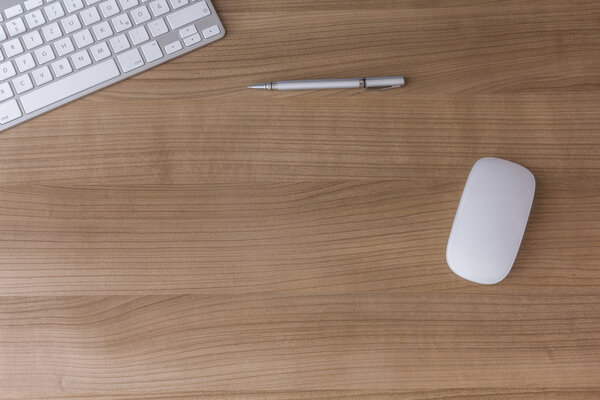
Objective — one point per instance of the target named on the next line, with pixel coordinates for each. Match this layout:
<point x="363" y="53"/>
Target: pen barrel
<point x="318" y="84"/>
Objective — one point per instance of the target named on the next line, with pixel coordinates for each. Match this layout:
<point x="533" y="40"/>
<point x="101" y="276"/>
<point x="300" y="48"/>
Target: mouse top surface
<point x="490" y="220"/>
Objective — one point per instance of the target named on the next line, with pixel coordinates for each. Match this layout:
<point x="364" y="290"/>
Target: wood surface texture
<point x="177" y="236"/>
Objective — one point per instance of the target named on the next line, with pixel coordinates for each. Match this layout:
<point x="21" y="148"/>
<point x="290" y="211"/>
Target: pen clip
<point x="383" y="88"/>
<point x="365" y="86"/>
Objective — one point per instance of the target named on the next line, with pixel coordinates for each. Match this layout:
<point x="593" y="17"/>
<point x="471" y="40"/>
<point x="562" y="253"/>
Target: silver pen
<point x="383" y="83"/>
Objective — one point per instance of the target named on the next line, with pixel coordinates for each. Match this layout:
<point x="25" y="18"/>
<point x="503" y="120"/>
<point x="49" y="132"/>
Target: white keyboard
<point x="55" y="51"/>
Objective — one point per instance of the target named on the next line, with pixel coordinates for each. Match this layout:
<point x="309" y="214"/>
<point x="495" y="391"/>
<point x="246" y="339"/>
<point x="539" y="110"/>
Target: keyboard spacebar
<point x="69" y="86"/>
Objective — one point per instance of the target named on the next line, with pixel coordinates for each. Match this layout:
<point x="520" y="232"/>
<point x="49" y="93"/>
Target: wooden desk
<point x="178" y="236"/>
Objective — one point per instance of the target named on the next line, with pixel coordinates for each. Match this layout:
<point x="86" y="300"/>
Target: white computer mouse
<point x="490" y="221"/>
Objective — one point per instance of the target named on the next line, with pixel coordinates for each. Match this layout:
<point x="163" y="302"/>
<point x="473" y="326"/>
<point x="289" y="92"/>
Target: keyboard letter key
<point x="42" y="75"/>
<point x="90" y="16"/>
<point x="61" y="68"/>
<point x="51" y="32"/>
<point x="22" y="83"/>
<point x="44" y="54"/>
<point x="109" y="8"/>
<point x="100" y="51"/>
<point x="140" y="15"/>
<point x="81" y="59"/>
<point x="5" y="91"/>
<point x="102" y="30"/>
<point x="7" y="70"/>
<point x="12" y="47"/>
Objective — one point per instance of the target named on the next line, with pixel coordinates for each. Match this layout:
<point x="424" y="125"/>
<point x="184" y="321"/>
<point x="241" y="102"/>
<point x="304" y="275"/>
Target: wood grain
<point x="266" y="341"/>
<point x="177" y="236"/>
<point x="306" y="238"/>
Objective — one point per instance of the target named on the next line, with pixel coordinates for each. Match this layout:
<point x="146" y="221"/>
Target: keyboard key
<point x="44" y="54"/>
<point x="35" y="19"/>
<point x="61" y="68"/>
<point x="70" y="24"/>
<point x="7" y="70"/>
<point x="141" y="15"/>
<point x="5" y="91"/>
<point x="100" y="51"/>
<point x="192" y="40"/>
<point x="81" y="59"/>
<point x="32" y="40"/>
<point x="90" y="16"/>
<point x="64" y="46"/>
<point x="159" y="7"/>
<point x="152" y="51"/>
<point x="188" y="31"/>
<point x="15" y="27"/>
<point x="2" y="34"/>
<point x="25" y="62"/>
<point x="9" y="111"/>
<point x="109" y="8"/>
<point x="119" y="43"/>
<point x="102" y="30"/>
<point x="73" y="5"/>
<point x="173" y="47"/>
<point x="12" y="47"/>
<point x="138" y="35"/>
<point x="121" y="22"/>
<point x="178" y="3"/>
<point x="211" y="31"/>
<point x="22" y="84"/>
<point x="69" y="86"/>
<point x="54" y="11"/>
<point x="127" y="4"/>
<point x="13" y="11"/>
<point x="83" y="38"/>
<point x="51" y="32"/>
<point x="31" y="4"/>
<point x="130" y="60"/>
<point x="186" y="16"/>
<point x="42" y="75"/>
<point x="158" y="27"/>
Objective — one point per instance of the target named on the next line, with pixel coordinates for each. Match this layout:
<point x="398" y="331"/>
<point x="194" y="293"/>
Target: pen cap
<point x="385" y="82"/>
